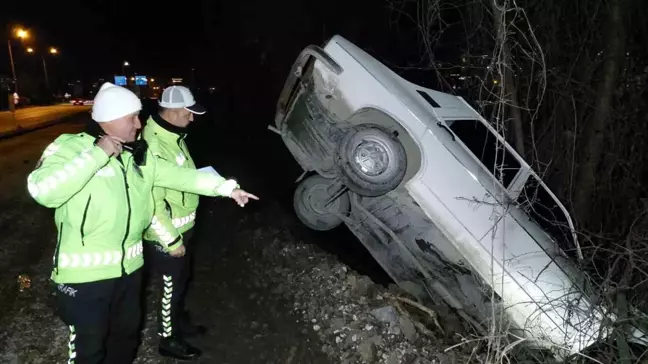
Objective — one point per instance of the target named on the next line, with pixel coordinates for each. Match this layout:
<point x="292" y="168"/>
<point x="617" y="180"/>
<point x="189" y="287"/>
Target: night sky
<point x="96" y="36"/>
<point x="219" y="39"/>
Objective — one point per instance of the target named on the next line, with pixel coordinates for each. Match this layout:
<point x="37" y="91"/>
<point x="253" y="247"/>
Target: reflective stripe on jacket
<point x="103" y="205"/>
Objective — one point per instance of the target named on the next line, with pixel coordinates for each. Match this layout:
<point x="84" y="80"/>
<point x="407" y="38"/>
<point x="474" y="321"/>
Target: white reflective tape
<point x="227" y="187"/>
<point x="71" y="345"/>
<point x="179" y="222"/>
<point x="107" y="258"/>
<point x="106" y="172"/>
<point x="63" y="260"/>
<point x="33" y="189"/>
<point x="75" y="261"/>
<point x="43" y="188"/>
<point x="51" y="149"/>
<point x="162" y="233"/>
<point x="51" y="182"/>
<point x="78" y="162"/>
<point x="85" y="155"/>
<point x="87" y="259"/>
<point x="180" y="159"/>
<point x="70" y="169"/>
<point x="61" y="176"/>
<point x="116" y="257"/>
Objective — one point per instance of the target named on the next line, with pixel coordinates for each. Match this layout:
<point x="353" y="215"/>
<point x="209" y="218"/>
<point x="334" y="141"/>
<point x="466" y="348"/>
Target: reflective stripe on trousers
<point x="71" y="347"/>
<point x="109" y="257"/>
<point x="167" y="330"/>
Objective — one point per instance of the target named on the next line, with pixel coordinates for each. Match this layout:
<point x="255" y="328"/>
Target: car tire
<point x="371" y="161"/>
<point x="308" y="201"/>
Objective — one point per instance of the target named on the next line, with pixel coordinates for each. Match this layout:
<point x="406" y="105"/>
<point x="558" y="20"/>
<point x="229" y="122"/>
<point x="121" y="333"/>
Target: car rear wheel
<point x="309" y="202"/>
<point x="371" y="161"/>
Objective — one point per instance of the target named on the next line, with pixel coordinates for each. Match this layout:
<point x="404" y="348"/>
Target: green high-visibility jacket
<point x="103" y="205"/>
<point x="174" y="210"/>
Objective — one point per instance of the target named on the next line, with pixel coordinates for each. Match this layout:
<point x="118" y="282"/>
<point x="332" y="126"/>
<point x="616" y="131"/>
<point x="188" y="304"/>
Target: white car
<point x="444" y="204"/>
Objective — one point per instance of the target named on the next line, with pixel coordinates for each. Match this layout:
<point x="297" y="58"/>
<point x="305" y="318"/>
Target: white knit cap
<point x="113" y="102"/>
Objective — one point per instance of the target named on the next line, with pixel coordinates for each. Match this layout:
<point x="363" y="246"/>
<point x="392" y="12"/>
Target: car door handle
<point x="444" y="126"/>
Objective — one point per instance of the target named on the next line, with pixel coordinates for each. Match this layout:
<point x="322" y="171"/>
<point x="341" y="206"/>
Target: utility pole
<point x="13" y="69"/>
<point x="46" y="77"/>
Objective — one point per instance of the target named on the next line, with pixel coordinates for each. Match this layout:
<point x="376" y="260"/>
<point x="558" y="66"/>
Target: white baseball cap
<point x="113" y="102"/>
<point x="176" y="97"/>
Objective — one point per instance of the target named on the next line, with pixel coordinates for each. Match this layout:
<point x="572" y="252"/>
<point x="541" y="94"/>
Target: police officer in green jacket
<point x="168" y="240"/>
<point x="100" y="184"/>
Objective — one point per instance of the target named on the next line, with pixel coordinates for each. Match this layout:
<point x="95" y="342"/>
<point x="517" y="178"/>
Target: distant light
<point x="53" y="50"/>
<point x="22" y="33"/>
<point x="152" y="79"/>
<point x="495" y="82"/>
<point x="126" y="63"/>
<point x="132" y="79"/>
<point x="30" y="50"/>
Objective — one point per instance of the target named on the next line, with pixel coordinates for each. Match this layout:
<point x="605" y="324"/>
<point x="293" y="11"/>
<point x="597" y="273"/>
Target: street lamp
<point x="21" y="34"/>
<point x="124" y="65"/>
<point x="52" y="51"/>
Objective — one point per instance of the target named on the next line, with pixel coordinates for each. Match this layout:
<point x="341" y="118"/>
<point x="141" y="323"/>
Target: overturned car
<point x="442" y="202"/>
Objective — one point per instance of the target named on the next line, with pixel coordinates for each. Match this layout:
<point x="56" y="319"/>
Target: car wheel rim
<point x="371" y="157"/>
<point x="316" y="200"/>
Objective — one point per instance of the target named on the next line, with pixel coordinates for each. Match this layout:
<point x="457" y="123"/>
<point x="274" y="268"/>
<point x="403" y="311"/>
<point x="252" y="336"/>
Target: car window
<point x="543" y="208"/>
<point x="487" y="148"/>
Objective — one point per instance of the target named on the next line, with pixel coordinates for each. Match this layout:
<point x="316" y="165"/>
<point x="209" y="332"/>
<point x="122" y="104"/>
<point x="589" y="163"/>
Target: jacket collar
<point x="93" y="129"/>
<point x="137" y="148"/>
<point x="167" y="126"/>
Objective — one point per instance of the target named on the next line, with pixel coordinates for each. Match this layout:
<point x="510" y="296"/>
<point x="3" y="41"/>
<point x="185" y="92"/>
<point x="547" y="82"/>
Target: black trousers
<point x="103" y="317"/>
<point x="175" y="273"/>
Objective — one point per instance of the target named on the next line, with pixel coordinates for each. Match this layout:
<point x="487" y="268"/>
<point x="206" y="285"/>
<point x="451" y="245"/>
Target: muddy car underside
<point x="395" y="230"/>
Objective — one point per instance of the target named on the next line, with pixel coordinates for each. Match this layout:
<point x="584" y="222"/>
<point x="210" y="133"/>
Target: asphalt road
<point x="34" y="116"/>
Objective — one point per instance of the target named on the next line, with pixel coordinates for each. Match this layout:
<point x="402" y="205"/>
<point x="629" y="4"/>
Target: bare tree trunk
<point x="594" y="136"/>
<point x="508" y="82"/>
